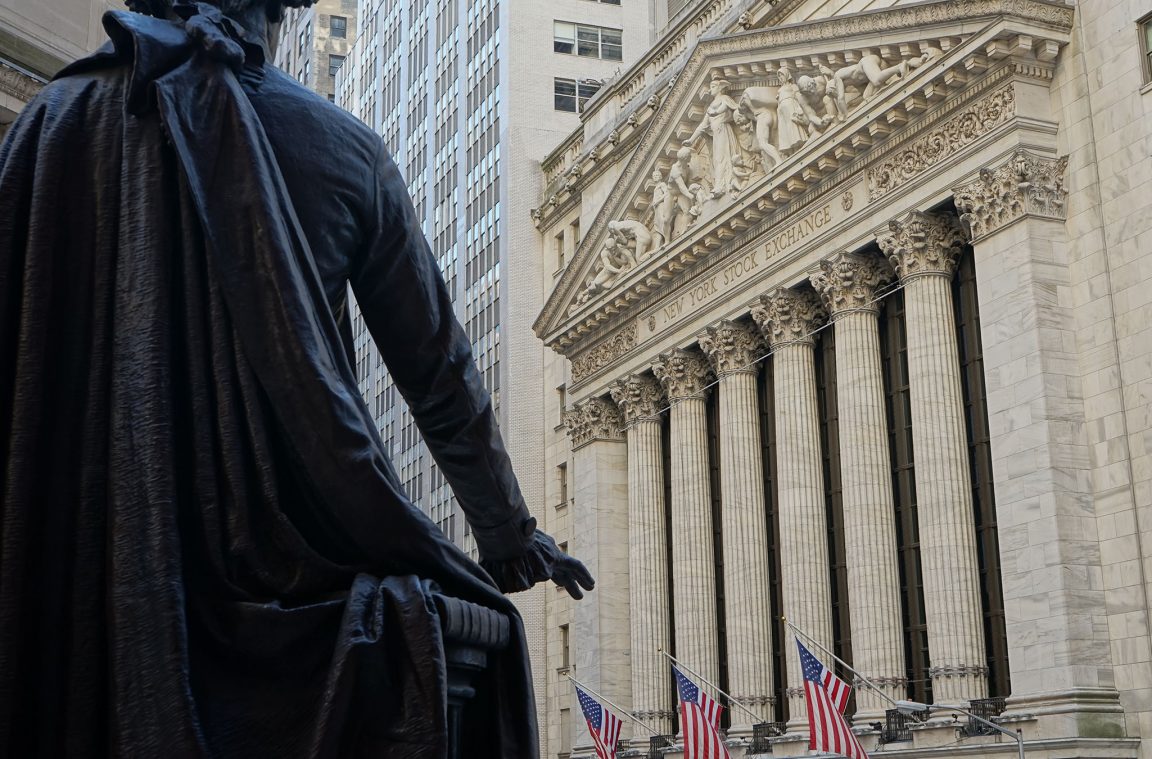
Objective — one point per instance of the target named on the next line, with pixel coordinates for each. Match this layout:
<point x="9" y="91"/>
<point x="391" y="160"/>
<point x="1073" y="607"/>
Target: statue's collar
<point x="154" y="47"/>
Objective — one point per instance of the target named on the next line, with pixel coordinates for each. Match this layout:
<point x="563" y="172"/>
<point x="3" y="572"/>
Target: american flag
<point x="603" y="725"/>
<point x="699" y="721"/>
<point x="827" y="696"/>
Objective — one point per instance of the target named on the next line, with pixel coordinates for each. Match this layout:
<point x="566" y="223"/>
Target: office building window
<point x="334" y="64"/>
<point x="572" y="95"/>
<point x="562" y="485"/>
<point x="338" y="26"/>
<point x="1145" y="25"/>
<point x="587" y="41"/>
<point x="565" y="652"/>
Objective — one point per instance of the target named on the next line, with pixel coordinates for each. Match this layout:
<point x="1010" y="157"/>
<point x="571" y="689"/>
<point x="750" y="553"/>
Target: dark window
<point x="338" y="26"/>
<point x="565" y="94"/>
<point x="334" y="64"/>
<point x="980" y="460"/>
<point x="563" y="37"/>
<point x="331" y="98"/>
<point x="713" y="422"/>
<point x="834" y="505"/>
<point x="771" y="499"/>
<point x="894" y="350"/>
<point x="666" y="467"/>
<point x="1145" y="27"/>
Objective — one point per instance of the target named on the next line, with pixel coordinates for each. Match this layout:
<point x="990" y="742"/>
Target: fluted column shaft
<point x="788" y="318"/>
<point x="733" y="347"/>
<point x="923" y="249"/>
<point x="640" y="401"/>
<point x="684" y="375"/>
<point x="848" y="285"/>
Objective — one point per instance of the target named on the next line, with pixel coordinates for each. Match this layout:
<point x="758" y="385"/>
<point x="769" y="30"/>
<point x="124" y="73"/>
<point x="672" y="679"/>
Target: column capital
<point x="788" y="316"/>
<point x="732" y="347"/>
<point x="683" y="372"/>
<point x="921" y="243"/>
<point x="591" y="420"/>
<point x="1025" y="185"/>
<point x="848" y="282"/>
<point x="638" y="396"/>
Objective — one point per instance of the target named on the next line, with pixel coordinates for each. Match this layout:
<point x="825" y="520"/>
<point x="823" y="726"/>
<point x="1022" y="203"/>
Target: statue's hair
<point x="273" y="8"/>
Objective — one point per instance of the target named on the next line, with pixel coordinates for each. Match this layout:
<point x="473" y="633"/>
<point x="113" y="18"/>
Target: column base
<point x="1072" y="713"/>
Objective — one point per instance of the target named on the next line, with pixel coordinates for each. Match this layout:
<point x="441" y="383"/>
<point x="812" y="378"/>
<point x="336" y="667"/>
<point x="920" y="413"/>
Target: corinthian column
<point x="847" y="284"/>
<point x="684" y="374"/>
<point x="600" y="639"/>
<point x="732" y="347"/>
<point x="923" y="249"/>
<point x="640" y="400"/>
<point x="787" y="318"/>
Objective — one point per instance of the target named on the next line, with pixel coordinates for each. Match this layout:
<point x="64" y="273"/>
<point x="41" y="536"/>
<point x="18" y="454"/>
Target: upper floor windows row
<point x="588" y="41"/>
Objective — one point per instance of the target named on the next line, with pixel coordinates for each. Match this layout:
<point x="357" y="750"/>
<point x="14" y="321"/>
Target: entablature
<point x="973" y="58"/>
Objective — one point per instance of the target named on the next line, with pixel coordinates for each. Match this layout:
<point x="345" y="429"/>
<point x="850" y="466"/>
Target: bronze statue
<point x="204" y="549"/>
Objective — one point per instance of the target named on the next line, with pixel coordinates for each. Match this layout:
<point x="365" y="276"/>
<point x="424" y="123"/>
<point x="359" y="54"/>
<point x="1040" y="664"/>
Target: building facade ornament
<point x="732" y="347"/>
<point x="789" y="316"/>
<point x="1026" y="184"/>
<point x="921" y="243"/>
<point x="19" y="84"/>
<point x="638" y="397"/>
<point x="605" y="353"/>
<point x="591" y="420"/>
<point x="848" y="282"/>
<point x="958" y="670"/>
<point x="931" y="148"/>
<point x="683" y="372"/>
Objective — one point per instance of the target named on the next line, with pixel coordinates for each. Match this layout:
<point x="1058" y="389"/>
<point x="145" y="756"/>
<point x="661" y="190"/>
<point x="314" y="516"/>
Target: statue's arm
<point x="405" y="304"/>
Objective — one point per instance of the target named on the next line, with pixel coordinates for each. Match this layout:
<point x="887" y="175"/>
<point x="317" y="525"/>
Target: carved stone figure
<point x="812" y="101"/>
<point x="680" y="178"/>
<point x="206" y="551"/>
<point x="760" y="104"/>
<point x="615" y="259"/>
<point x="718" y="122"/>
<point x="661" y="211"/>
<point x="633" y="239"/>
<point x="792" y="128"/>
<point x="870" y="74"/>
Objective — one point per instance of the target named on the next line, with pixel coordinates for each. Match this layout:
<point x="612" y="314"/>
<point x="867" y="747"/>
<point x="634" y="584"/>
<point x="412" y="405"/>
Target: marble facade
<point x="797" y="166"/>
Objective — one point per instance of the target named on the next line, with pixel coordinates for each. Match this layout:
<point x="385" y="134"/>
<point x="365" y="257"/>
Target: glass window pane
<point x="565" y="86"/>
<point x="1147" y="35"/>
<point x="588" y="90"/>
<point x="562" y="46"/>
<point x="588" y="49"/>
<point x="613" y="53"/>
<point x="610" y="36"/>
<point x="588" y="34"/>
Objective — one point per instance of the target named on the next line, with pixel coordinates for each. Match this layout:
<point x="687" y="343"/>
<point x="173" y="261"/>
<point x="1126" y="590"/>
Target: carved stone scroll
<point x="1026" y="184"/>
<point x="604" y="353"/>
<point x="922" y="243"/>
<point x="848" y="282"/>
<point x="684" y="373"/>
<point x="638" y="397"/>
<point x="732" y="347"/>
<point x="789" y="316"/>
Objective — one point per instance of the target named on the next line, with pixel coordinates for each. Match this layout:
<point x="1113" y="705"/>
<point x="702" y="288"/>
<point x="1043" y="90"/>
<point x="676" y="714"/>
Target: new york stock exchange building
<point x="851" y="326"/>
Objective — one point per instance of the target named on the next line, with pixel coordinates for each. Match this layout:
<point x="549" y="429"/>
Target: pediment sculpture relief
<point x="746" y="131"/>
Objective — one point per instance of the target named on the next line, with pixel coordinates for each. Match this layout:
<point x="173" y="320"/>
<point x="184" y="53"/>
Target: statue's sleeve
<point x="405" y="304"/>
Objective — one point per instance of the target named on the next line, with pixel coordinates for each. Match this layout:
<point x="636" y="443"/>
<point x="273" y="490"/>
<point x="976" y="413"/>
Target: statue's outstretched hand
<point x="543" y="561"/>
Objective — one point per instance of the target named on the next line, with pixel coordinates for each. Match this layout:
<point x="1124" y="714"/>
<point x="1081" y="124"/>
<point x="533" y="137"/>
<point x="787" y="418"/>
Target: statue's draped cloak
<point x="204" y="550"/>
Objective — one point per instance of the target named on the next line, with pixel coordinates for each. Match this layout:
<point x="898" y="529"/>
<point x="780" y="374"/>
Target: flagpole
<point x="843" y="663"/>
<point x="626" y="713"/>
<point x="731" y="700"/>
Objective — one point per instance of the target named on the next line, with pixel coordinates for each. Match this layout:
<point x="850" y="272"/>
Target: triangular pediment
<point x="757" y="118"/>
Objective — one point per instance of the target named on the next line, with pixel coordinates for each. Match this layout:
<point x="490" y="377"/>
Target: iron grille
<point x="988" y="708"/>
<point x="761" y="732"/>
<point x="896" y="726"/>
<point x="657" y="745"/>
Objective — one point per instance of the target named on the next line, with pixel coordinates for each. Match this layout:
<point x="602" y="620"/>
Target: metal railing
<point x="658" y="745"/>
<point x="761" y="733"/>
<point x="896" y="726"/>
<point x="988" y="708"/>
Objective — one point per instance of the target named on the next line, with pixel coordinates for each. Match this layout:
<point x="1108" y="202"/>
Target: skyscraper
<point x="314" y="42"/>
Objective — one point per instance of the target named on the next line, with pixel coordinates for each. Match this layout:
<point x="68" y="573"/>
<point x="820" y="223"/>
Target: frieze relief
<point x="604" y="354"/>
<point x="1026" y="184"/>
<point x="930" y="149"/>
<point x="18" y="84"/>
<point x="735" y="146"/>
